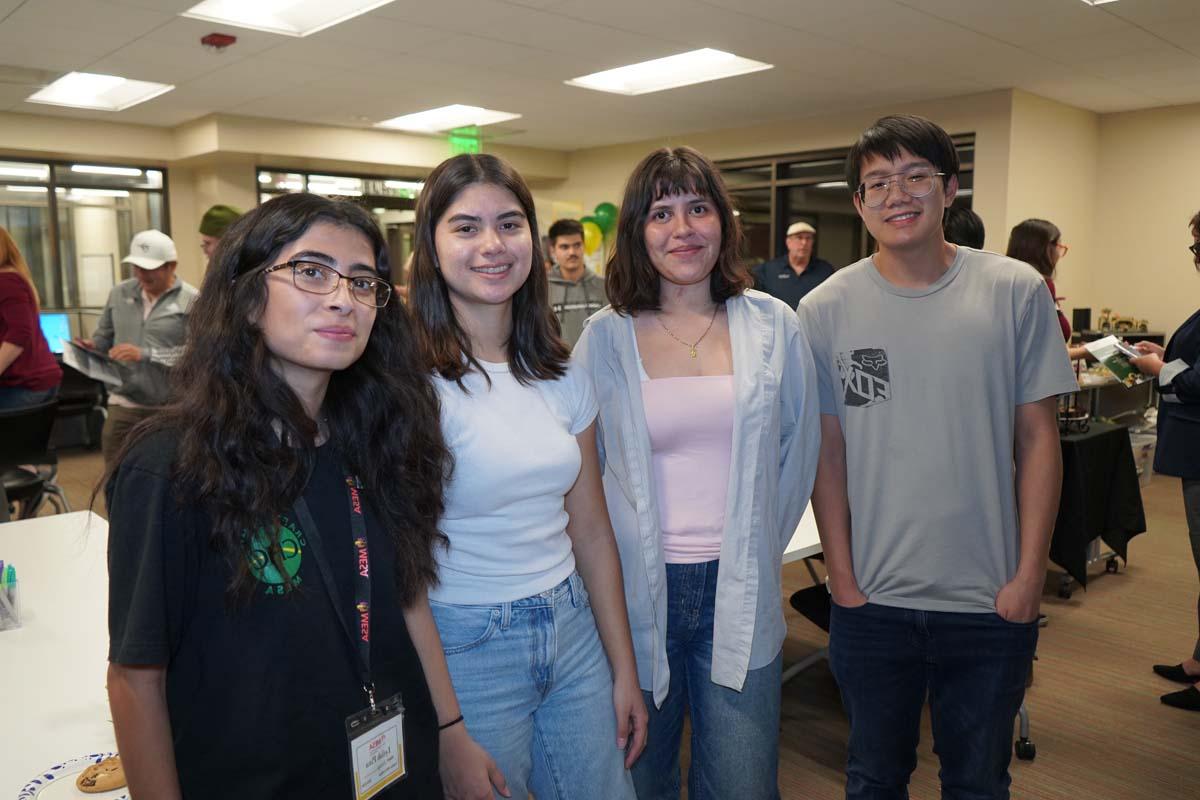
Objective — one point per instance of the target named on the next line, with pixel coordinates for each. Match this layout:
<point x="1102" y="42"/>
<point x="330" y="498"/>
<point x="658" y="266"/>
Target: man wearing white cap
<point x="142" y="328"/>
<point x="792" y="276"/>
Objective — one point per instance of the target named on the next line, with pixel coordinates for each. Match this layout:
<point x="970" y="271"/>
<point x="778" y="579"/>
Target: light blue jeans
<point x="735" y="735"/>
<point x="536" y="692"/>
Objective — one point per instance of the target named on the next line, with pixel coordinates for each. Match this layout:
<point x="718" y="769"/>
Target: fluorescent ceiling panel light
<point x="37" y="173"/>
<point x="287" y="17"/>
<point x="833" y="185"/>
<point x="446" y="118"/>
<point x="333" y="188"/>
<point x="41" y="189"/>
<point x="101" y="92"/>
<point x="414" y="186"/>
<point x="696" y="66"/>
<point x="97" y="170"/>
<point x="1098" y="2"/>
<point x="98" y="193"/>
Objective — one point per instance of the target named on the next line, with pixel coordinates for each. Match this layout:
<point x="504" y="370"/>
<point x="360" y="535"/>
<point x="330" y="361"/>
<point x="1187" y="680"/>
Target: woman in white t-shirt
<point x="526" y="699"/>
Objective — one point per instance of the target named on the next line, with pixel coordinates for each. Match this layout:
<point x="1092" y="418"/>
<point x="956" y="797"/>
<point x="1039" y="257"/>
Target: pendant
<point x="693" y="351"/>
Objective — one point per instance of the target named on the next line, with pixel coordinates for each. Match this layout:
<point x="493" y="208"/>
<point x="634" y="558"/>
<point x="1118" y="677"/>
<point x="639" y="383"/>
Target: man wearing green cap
<point x="213" y="225"/>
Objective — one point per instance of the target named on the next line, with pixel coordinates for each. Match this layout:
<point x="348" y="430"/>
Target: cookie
<point x="103" y="777"/>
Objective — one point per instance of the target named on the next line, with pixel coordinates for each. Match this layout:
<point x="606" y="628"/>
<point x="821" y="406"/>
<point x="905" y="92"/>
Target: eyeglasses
<point x="914" y="183"/>
<point x="320" y="279"/>
<point x="1062" y="249"/>
<point x="1195" y="248"/>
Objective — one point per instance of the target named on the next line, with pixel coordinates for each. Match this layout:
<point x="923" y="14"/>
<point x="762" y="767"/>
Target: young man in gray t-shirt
<point x="939" y="473"/>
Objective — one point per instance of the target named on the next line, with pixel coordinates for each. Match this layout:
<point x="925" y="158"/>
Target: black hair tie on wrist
<point x="451" y="723"/>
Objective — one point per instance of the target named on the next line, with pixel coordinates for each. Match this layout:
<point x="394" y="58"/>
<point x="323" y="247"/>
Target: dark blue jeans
<point x="735" y="735"/>
<point x="971" y="666"/>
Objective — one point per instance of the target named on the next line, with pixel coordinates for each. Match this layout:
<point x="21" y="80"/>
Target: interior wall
<point x="599" y="174"/>
<point x="1148" y="188"/>
<point x="1052" y="175"/>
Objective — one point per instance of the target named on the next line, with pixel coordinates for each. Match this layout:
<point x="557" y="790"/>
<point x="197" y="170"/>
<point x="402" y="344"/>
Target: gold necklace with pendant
<point x="691" y="346"/>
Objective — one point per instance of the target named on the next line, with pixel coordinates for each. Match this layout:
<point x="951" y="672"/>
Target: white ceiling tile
<point x="186" y="33"/>
<point x="1144" y="63"/>
<point x="459" y="16"/>
<point x="1073" y="49"/>
<point x="146" y="60"/>
<point x="384" y="34"/>
<point x="1145" y="12"/>
<point x="1098" y="95"/>
<point x="106" y="22"/>
<point x="1022" y="21"/>
<point x="1183" y="33"/>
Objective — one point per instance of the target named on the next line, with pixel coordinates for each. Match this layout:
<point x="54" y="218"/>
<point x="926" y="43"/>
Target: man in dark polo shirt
<point x="794" y="275"/>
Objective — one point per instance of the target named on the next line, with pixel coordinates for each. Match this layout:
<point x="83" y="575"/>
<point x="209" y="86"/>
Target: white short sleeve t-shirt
<point x="515" y="459"/>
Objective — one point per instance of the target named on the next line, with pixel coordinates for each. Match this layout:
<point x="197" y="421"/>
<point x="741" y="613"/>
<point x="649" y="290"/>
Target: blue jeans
<point x="735" y="735"/>
<point x="536" y="692"/>
<point x="973" y="668"/>
<point x="16" y="397"/>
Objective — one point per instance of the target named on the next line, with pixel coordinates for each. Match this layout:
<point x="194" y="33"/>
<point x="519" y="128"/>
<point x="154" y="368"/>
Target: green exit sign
<point x="465" y="140"/>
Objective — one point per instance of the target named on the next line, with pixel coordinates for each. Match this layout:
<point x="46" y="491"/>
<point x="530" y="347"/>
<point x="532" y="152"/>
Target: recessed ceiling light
<point x="684" y="69"/>
<point x="288" y="17"/>
<point x="98" y="170"/>
<point x="1098" y="2"/>
<point x="101" y="92"/>
<point x="446" y="118"/>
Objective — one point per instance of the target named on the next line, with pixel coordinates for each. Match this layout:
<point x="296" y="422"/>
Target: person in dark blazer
<point x="1177" y="368"/>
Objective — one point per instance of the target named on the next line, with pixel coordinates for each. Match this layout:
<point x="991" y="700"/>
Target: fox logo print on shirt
<point x="866" y="380"/>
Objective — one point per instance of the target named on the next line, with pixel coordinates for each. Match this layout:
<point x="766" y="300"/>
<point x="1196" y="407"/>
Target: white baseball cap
<point x="800" y="227"/>
<point x="150" y="250"/>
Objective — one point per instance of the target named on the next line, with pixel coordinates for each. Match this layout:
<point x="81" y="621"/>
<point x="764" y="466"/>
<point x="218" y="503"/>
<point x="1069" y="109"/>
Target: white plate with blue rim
<point x="58" y="782"/>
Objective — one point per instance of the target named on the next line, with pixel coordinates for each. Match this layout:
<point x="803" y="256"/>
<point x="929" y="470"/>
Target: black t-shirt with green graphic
<point x="258" y="694"/>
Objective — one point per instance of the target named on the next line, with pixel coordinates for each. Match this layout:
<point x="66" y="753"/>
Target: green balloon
<point x="606" y="216"/>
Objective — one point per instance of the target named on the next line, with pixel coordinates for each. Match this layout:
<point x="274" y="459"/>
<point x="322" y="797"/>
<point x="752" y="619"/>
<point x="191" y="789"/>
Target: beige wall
<point x="1147" y="188"/>
<point x="1055" y="150"/>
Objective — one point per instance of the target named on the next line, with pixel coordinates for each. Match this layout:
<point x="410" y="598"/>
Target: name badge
<point x="377" y="747"/>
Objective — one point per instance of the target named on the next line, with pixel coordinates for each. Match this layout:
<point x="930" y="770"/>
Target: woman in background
<point x="29" y="373"/>
<point x="1039" y="244"/>
<point x="1177" y="368"/>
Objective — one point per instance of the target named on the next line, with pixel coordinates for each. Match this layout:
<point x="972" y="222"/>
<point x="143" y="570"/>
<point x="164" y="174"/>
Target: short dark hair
<point x="1030" y="242"/>
<point x="630" y="279"/>
<point x="535" y="350"/>
<point x="890" y="134"/>
<point x="961" y="225"/>
<point x="564" y="227"/>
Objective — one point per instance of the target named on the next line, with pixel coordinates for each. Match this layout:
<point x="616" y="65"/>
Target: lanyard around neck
<point x="358" y="636"/>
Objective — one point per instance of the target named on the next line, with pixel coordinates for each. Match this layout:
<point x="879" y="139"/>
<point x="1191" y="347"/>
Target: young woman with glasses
<point x="537" y="691"/>
<point x="1177" y="368"/>
<point x="709" y="433"/>
<point x="271" y="530"/>
<point x="1039" y="244"/>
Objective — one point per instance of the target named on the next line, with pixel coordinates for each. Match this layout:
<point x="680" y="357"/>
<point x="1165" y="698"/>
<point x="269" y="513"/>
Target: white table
<point x="53" y="703"/>
<point x="804" y="543"/>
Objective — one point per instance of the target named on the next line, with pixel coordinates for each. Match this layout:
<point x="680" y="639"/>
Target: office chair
<point x="25" y="434"/>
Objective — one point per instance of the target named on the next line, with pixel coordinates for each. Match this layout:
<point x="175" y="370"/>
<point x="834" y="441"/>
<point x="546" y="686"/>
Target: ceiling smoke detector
<point x="217" y="42"/>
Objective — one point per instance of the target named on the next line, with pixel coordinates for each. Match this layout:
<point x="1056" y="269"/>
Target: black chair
<point x="25" y="433"/>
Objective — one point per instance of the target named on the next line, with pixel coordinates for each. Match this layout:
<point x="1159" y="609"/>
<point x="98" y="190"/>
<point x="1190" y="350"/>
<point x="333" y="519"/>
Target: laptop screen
<point x="56" y="328"/>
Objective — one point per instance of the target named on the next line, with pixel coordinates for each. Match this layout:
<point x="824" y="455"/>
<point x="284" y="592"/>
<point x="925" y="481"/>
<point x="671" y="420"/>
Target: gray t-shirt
<point x="926" y="383"/>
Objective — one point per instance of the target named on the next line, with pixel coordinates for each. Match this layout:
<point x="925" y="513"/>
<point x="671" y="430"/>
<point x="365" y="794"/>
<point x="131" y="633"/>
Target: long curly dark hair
<point x="227" y="404"/>
<point x="535" y="349"/>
